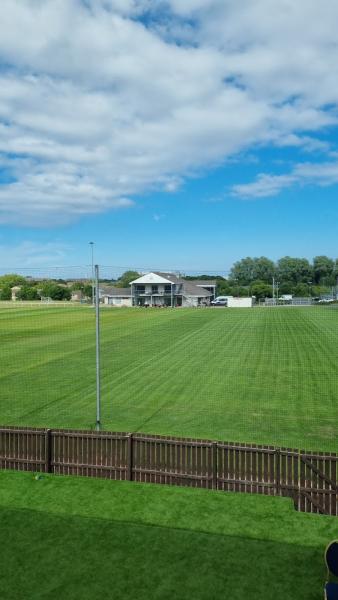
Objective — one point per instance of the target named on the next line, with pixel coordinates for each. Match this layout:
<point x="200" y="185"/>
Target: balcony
<point x="141" y="293"/>
<point x="150" y="293"/>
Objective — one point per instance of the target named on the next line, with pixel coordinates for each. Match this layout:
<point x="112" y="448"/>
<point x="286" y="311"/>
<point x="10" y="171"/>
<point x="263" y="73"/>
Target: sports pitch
<point x="266" y="376"/>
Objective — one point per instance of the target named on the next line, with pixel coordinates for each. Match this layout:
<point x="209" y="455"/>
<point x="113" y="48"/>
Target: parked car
<point x="220" y="301"/>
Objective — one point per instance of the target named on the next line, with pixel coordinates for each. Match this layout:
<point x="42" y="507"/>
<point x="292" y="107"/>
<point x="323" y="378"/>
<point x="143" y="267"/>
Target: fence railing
<point x="309" y="478"/>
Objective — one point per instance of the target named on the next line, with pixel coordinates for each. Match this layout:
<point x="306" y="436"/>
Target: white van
<point x="221" y="301"/>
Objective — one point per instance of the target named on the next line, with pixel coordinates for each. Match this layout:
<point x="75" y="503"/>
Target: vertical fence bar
<point x="48" y="451"/>
<point x="130" y="458"/>
<point x="277" y="473"/>
<point x="215" y="466"/>
<point x="97" y="321"/>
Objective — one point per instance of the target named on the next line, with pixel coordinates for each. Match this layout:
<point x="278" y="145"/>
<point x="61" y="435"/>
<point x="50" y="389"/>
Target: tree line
<point x="258" y="276"/>
<point x="288" y="275"/>
<point x="261" y="277"/>
<point x="29" y="289"/>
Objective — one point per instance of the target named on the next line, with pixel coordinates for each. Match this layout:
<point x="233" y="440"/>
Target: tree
<point x="248" y="270"/>
<point x="323" y="268"/>
<point x="241" y="292"/>
<point x="224" y="288"/>
<point x="202" y="277"/>
<point x="237" y="290"/>
<point x="302" y="290"/>
<point x="297" y="270"/>
<point x="87" y="290"/>
<point x="5" y="293"/>
<point x="264" y="269"/>
<point x="126" y="278"/>
<point x="286" y="287"/>
<point x="259" y="289"/>
<point x="12" y="279"/>
<point x="243" y="271"/>
<point x="320" y="290"/>
<point x="28" y="292"/>
<point x="63" y="293"/>
<point x="54" y="291"/>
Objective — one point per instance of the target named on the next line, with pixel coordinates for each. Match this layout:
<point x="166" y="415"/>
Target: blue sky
<point x="175" y="134"/>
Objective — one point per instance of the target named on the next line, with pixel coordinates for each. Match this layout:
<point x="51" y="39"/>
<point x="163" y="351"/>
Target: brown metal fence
<point x="310" y="478"/>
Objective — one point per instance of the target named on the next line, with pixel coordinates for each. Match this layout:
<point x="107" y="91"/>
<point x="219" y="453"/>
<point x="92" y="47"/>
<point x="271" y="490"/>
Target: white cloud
<point x="267" y="185"/>
<point x="264" y="186"/>
<point x="101" y="100"/>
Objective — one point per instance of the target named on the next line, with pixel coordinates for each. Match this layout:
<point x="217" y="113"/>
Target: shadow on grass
<point x="61" y="557"/>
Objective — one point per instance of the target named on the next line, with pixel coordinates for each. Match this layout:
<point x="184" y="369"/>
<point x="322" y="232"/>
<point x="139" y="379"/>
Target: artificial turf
<point x="262" y="375"/>
<point x="75" y="538"/>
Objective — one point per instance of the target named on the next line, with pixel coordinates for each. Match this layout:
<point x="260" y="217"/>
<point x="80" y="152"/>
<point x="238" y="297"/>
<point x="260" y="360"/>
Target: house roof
<point x="153" y="277"/>
<point x="193" y="290"/>
<point x="188" y="287"/>
<point x="204" y="282"/>
<point x="115" y="291"/>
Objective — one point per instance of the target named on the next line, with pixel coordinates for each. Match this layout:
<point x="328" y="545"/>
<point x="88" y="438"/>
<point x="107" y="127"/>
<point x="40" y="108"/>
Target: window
<point x="154" y="289"/>
<point x="140" y="289"/>
<point x="167" y="289"/>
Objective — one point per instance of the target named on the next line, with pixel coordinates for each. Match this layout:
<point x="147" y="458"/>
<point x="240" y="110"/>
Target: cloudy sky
<point x="173" y="134"/>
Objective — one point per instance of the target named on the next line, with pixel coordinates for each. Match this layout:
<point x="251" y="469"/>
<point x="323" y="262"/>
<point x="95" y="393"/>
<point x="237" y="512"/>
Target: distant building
<point x="168" y="289"/>
<point x="286" y="297"/>
<point x="160" y="289"/>
<point x="77" y="296"/>
<point x="114" y="296"/>
<point x="15" y="291"/>
<point x="235" y="302"/>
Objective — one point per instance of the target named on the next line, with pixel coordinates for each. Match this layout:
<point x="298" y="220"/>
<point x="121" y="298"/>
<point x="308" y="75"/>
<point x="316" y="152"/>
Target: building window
<point x="154" y="289"/>
<point x="167" y="289"/>
<point x="140" y="289"/>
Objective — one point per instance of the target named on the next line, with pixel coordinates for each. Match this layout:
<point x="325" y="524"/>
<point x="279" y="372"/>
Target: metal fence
<point x="309" y="478"/>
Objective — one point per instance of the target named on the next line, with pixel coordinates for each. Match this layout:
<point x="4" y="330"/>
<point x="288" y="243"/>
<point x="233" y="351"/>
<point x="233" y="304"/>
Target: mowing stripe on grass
<point x="262" y="376"/>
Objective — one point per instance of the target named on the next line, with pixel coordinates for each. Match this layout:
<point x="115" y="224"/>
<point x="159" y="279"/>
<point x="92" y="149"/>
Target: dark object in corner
<point x="331" y="559"/>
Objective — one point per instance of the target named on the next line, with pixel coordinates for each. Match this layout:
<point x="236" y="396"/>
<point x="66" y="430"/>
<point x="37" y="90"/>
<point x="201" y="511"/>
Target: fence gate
<point x="317" y="492"/>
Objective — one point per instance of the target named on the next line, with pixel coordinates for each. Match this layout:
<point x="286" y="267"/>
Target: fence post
<point x="215" y="466"/>
<point x="48" y="451"/>
<point x="277" y="474"/>
<point x="130" y="458"/>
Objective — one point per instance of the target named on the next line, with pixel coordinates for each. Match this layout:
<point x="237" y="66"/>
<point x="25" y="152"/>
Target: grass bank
<point x="64" y="537"/>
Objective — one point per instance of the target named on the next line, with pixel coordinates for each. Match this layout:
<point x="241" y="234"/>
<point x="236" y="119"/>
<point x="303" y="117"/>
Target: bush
<point x="5" y="293"/>
<point x="28" y="293"/>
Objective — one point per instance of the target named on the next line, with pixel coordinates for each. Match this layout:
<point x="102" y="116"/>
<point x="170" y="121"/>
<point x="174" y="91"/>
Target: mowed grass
<point x="64" y="537"/>
<point x="267" y="376"/>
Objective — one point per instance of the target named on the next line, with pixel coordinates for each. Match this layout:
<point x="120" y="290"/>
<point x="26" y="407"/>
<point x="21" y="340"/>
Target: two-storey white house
<point x="168" y="289"/>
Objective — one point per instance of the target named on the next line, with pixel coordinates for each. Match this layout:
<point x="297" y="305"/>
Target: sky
<point x="174" y="134"/>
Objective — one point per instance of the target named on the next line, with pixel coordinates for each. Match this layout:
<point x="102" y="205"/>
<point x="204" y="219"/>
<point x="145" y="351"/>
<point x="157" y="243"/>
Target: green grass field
<point x="64" y="537"/>
<point x="255" y="375"/>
